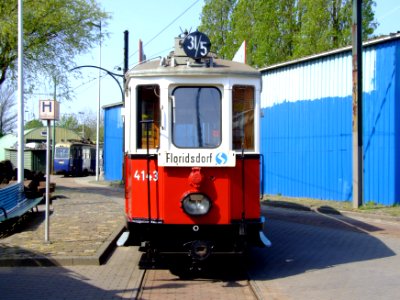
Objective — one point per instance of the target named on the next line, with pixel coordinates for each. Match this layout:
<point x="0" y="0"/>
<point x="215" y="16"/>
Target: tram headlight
<point x="196" y="204"/>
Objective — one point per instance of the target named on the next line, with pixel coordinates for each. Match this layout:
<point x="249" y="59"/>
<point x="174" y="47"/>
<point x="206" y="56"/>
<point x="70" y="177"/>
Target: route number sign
<point x="196" y="45"/>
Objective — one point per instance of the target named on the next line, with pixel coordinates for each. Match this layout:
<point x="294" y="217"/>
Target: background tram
<point x="192" y="157"/>
<point x="74" y="158"/>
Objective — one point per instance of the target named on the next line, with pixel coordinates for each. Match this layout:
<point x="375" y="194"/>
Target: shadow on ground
<point x="49" y="283"/>
<point x="304" y="240"/>
<point x="29" y="221"/>
<point x="215" y="268"/>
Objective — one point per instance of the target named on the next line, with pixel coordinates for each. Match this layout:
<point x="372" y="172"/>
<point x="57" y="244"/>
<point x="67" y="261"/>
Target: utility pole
<point x="53" y="140"/>
<point x="357" y="128"/>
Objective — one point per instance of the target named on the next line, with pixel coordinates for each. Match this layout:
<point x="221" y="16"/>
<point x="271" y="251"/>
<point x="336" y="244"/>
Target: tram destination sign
<point x="197" y="159"/>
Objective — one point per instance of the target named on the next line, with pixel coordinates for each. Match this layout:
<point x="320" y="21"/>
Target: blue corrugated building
<point x="306" y="129"/>
<point x="113" y="142"/>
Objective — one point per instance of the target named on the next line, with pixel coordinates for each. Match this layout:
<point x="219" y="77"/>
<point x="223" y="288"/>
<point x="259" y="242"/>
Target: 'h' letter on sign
<point x="49" y="110"/>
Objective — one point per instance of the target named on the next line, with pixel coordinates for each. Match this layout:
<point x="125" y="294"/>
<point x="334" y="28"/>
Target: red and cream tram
<point x="192" y="153"/>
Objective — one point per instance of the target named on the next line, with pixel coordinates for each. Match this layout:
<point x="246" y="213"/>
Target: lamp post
<point x="83" y="125"/>
<point x="113" y="75"/>
<point x="98" y="111"/>
<point x="98" y="119"/>
<point x="20" y="95"/>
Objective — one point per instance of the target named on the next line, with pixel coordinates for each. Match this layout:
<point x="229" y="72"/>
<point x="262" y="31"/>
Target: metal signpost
<point x="48" y="110"/>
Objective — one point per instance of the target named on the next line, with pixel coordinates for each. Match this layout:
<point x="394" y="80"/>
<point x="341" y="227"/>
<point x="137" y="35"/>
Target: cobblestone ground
<point x="82" y="218"/>
<point x="119" y="278"/>
<point x="317" y="256"/>
<point x="313" y="256"/>
<point x="161" y="284"/>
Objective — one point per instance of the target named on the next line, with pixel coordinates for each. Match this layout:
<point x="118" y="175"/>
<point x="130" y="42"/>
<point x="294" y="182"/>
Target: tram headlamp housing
<point x="196" y="204"/>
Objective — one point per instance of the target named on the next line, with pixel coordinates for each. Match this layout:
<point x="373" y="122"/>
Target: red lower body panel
<point x="156" y="219"/>
<point x="154" y="193"/>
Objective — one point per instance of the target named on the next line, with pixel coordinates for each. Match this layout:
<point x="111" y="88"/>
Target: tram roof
<point x="184" y="66"/>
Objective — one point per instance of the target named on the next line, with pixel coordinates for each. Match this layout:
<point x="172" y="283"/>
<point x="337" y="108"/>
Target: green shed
<point x="34" y="159"/>
<point x="35" y="146"/>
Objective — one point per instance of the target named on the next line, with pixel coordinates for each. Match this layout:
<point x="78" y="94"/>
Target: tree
<point x="69" y="121"/>
<point x="87" y="124"/>
<point x="257" y="23"/>
<point x="8" y="116"/>
<point x="276" y="31"/>
<point x="326" y="25"/>
<point x="243" y="20"/>
<point x="54" y="32"/>
<point x="215" y="23"/>
<point x="33" y="124"/>
<point x="90" y="124"/>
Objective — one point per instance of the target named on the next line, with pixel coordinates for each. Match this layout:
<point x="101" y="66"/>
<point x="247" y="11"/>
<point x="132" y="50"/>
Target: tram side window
<point x="85" y="152"/>
<point x="196" y="116"/>
<point x="243" y="117"/>
<point x="148" y="116"/>
<point x="74" y="152"/>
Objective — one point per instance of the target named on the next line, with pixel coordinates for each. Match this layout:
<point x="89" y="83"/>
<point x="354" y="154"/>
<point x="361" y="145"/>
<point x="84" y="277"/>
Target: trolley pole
<point x="358" y="180"/>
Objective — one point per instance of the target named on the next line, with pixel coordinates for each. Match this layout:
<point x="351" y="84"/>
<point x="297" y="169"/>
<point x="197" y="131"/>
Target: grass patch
<point x="316" y="204"/>
<point x="371" y="207"/>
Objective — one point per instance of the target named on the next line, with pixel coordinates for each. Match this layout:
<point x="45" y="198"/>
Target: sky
<point x="156" y="23"/>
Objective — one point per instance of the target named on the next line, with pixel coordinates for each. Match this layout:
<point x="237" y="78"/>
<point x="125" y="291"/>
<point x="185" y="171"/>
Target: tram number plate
<point x="142" y="175"/>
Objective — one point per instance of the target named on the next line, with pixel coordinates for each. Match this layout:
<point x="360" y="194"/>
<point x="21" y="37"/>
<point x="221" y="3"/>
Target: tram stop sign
<point x="49" y="110"/>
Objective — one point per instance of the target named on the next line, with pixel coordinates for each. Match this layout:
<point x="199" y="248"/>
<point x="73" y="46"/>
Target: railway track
<point x="218" y="280"/>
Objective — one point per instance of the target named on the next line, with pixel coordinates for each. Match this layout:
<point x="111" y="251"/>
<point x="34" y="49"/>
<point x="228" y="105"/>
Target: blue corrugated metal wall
<point x="307" y="126"/>
<point x="381" y="127"/>
<point x="113" y="143"/>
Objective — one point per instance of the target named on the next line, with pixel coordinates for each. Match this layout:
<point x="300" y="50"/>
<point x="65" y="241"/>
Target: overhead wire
<point x="147" y="43"/>
<point x="90" y="81"/>
<point x="391" y="11"/>
<point x="165" y="28"/>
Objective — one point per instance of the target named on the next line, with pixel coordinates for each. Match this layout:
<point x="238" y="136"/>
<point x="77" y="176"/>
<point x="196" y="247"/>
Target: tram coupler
<point x="199" y="250"/>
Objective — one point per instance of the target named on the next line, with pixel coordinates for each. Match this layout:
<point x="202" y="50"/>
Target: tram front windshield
<point x="62" y="152"/>
<point x="196" y="117"/>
